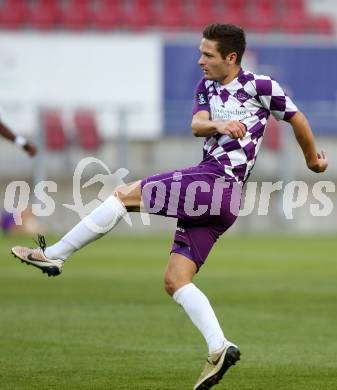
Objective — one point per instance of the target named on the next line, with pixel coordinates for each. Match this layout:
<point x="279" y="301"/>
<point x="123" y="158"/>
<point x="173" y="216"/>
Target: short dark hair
<point x="230" y="39"/>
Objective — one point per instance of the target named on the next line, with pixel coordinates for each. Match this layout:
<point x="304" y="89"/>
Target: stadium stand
<point x="44" y="15"/>
<point x="106" y="15"/>
<point x="266" y="16"/>
<point x="75" y="15"/>
<point x="171" y="15"/>
<point x="200" y="14"/>
<point x="86" y="130"/>
<point x="236" y="12"/>
<point x="14" y="14"/>
<point x="54" y="131"/>
<point x="140" y="14"/>
<point x="296" y="19"/>
<point x="260" y="16"/>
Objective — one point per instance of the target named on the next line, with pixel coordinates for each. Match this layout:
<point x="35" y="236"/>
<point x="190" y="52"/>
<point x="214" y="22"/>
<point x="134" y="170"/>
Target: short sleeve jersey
<point x="250" y="99"/>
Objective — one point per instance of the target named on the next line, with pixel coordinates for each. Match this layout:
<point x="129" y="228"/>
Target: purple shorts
<point x="204" y="201"/>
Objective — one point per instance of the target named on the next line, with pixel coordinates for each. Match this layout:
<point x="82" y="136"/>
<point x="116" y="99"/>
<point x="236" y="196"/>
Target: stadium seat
<point x="44" y="14"/>
<point x="294" y="17"/>
<point x="107" y="14"/>
<point x="13" y="14"/>
<point x="52" y="125"/>
<point x="86" y="130"/>
<point x="201" y="13"/>
<point x="171" y="15"/>
<point x="139" y="15"/>
<point x="75" y="15"/>
<point x="264" y="16"/>
<point x="235" y="12"/>
<point x="320" y="25"/>
<point x="294" y="8"/>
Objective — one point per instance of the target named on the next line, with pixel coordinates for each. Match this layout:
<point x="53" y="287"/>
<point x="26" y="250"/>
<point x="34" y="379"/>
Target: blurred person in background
<point x="6" y="219"/>
<point x="19" y="140"/>
<point x="7" y="222"/>
<point x="231" y="108"/>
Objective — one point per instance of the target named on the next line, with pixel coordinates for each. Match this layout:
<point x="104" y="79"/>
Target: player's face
<point x="213" y="65"/>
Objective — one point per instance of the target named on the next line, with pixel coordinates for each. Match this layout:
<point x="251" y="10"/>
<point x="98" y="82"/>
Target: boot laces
<point x="41" y="242"/>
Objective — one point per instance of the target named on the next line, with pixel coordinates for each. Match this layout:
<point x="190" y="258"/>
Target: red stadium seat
<point x="86" y="129"/>
<point x="75" y="15"/>
<point x="53" y="128"/>
<point x="295" y="18"/>
<point x="13" y="14"/>
<point x="44" y="14"/>
<point x="139" y="15"/>
<point x="320" y="25"/>
<point x="264" y="16"/>
<point x="294" y="8"/>
<point x="201" y="13"/>
<point x="235" y="12"/>
<point x="107" y="14"/>
<point x="171" y="15"/>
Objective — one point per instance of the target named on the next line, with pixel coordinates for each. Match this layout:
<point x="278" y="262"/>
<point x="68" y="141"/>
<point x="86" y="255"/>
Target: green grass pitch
<point x="106" y="323"/>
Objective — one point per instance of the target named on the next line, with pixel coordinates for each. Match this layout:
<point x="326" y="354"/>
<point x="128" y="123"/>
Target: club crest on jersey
<point x="241" y="95"/>
<point x="202" y="99"/>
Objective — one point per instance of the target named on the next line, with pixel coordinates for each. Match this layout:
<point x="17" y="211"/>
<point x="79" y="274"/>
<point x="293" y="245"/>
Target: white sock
<point x="198" y="308"/>
<point x="95" y="225"/>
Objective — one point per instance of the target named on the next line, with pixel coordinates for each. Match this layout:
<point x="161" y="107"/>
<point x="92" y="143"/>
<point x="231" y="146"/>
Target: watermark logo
<point x="109" y="182"/>
<point x="180" y="194"/>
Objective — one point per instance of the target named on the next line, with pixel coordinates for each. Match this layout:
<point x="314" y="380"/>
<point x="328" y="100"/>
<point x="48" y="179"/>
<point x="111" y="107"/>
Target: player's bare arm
<point x="203" y="126"/>
<point x="316" y="162"/>
<point x="28" y="147"/>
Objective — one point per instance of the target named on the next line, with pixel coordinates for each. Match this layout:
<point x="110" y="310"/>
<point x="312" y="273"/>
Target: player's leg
<point x="178" y="284"/>
<point x="100" y="221"/>
<point x="190" y="249"/>
<point x="222" y="353"/>
<point x="126" y="198"/>
<point x="95" y="225"/>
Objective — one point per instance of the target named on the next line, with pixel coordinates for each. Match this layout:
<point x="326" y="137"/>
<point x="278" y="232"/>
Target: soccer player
<point x="28" y="147"/>
<point x="231" y="108"/>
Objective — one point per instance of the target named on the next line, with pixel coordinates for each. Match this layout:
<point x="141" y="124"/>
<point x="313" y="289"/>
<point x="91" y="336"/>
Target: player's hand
<point x="30" y="149"/>
<point x="234" y="129"/>
<point x="321" y="163"/>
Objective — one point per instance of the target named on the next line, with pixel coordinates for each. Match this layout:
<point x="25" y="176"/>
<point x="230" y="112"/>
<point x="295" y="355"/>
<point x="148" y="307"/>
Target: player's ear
<point x="231" y="58"/>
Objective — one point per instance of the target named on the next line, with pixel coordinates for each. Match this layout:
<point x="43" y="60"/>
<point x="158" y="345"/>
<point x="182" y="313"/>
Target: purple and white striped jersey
<point x="250" y="99"/>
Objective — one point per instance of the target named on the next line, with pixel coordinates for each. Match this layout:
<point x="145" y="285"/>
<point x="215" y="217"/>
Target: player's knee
<point x="172" y="283"/>
<point x="128" y="194"/>
<point x="121" y="192"/>
<point x="169" y="285"/>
